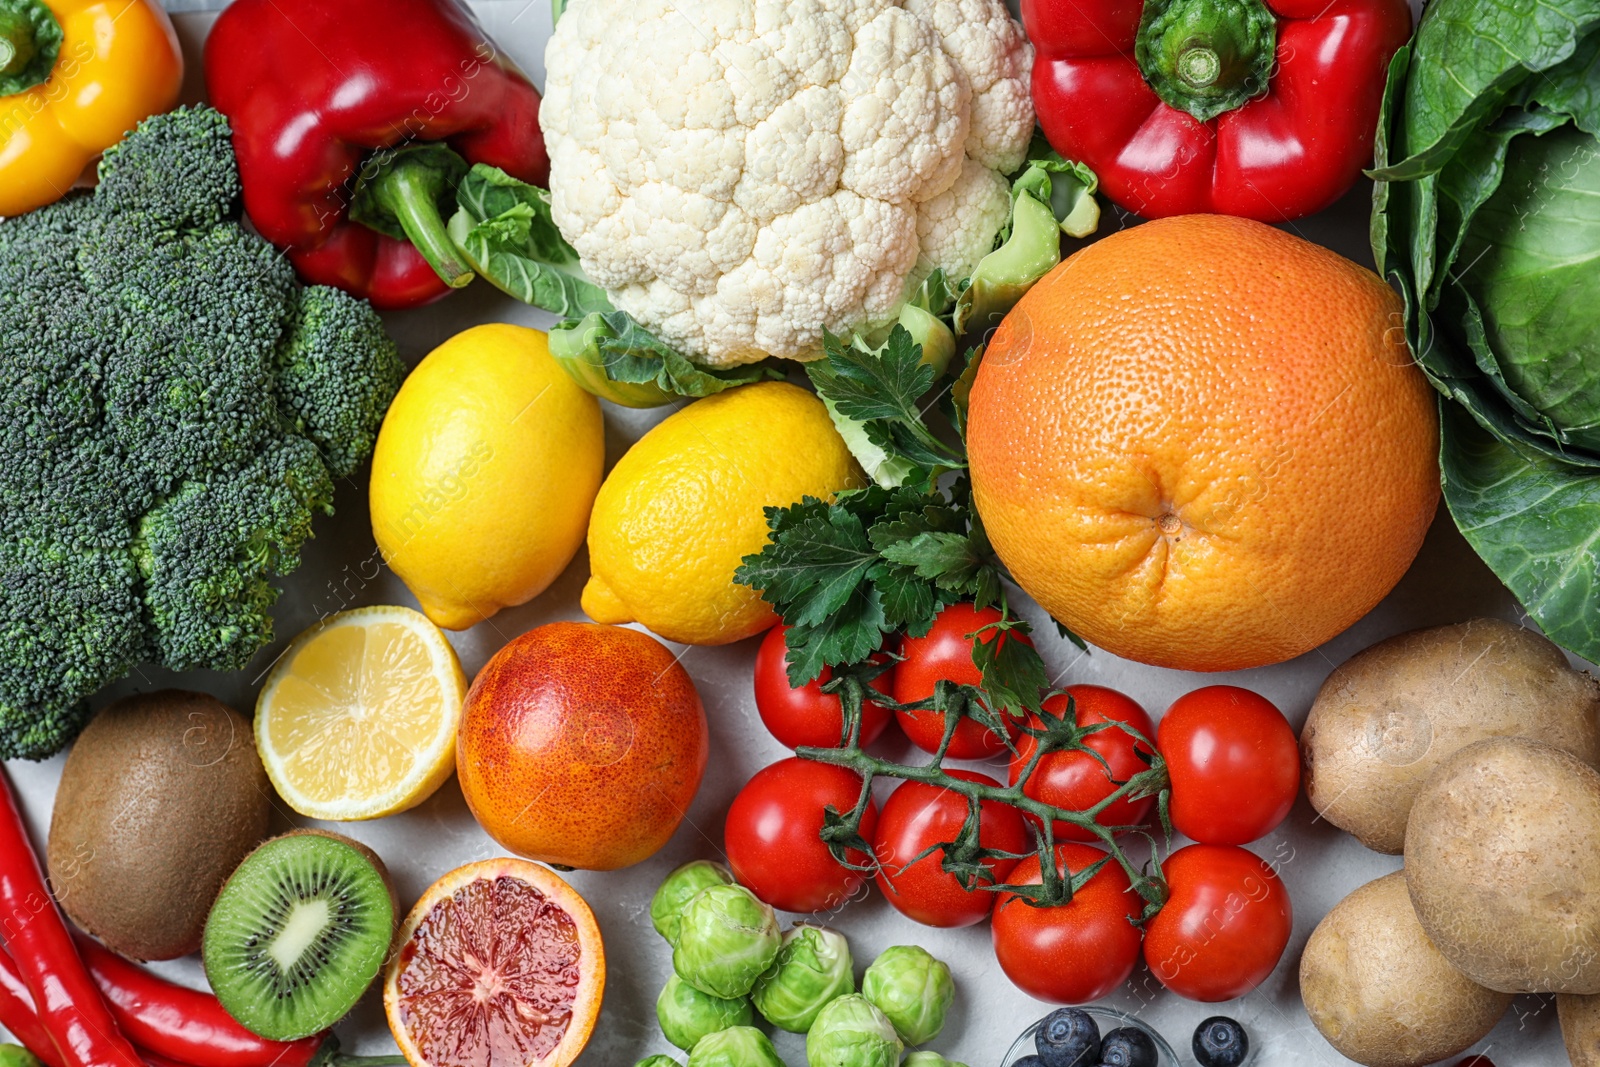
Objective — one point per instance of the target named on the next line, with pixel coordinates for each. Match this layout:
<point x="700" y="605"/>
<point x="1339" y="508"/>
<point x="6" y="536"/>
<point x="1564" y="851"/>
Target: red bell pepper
<point x="329" y="103"/>
<point x="1260" y="108"/>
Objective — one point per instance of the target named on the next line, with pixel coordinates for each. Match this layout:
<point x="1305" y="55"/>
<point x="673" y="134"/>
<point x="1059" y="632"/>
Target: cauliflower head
<point x="741" y="175"/>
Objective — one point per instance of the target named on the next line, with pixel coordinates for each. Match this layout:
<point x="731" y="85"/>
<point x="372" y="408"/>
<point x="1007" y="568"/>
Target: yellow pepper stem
<point x="30" y="42"/>
<point x="17" y="43"/>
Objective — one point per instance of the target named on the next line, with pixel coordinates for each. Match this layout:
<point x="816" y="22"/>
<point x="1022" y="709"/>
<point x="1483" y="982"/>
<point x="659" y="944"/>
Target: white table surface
<point x="1318" y="863"/>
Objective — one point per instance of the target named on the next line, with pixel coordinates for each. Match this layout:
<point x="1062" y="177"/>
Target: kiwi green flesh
<point x="297" y="935"/>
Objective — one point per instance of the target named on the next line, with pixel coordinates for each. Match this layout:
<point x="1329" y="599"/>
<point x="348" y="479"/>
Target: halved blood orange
<point x="500" y="964"/>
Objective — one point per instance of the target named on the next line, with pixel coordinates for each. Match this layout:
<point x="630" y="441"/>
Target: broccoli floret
<point x="171" y="405"/>
<point x="69" y="620"/>
<point x="178" y="169"/>
<point x="336" y="370"/>
<point x="208" y="553"/>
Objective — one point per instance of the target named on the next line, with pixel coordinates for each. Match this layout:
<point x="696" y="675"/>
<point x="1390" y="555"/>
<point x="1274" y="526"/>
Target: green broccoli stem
<point x="852" y="694"/>
<point x="408" y="189"/>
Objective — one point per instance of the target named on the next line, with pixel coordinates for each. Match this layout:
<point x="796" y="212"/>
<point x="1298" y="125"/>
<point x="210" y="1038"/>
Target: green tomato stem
<point x="852" y="694"/>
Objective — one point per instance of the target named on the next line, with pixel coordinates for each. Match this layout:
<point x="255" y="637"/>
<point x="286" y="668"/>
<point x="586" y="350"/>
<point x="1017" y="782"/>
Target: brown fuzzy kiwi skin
<point x="160" y="799"/>
<point x="1389" y="715"/>
<point x="1502" y="857"/>
<point x="1381" y="993"/>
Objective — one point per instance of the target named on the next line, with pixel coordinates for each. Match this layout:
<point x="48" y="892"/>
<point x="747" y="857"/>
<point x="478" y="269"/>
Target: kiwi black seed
<point x="299" y="933"/>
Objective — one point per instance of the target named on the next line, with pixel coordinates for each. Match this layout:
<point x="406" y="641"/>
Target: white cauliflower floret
<point x="741" y="175"/>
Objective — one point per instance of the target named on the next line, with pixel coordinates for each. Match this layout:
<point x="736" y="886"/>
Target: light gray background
<point x="1318" y="863"/>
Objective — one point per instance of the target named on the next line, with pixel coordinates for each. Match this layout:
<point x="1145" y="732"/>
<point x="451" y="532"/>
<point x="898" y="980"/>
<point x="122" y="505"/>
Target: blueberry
<point x="1220" y="1042"/>
<point x="1129" y="1046"/>
<point x="1068" y="1038"/>
<point x="1028" y="1061"/>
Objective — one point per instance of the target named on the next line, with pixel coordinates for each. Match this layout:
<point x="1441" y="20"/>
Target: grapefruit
<point x="500" y="963"/>
<point x="1202" y="443"/>
<point x="582" y="745"/>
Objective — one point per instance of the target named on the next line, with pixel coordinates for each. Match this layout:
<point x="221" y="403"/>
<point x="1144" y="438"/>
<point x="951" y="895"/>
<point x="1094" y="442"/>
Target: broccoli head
<point x="174" y="409"/>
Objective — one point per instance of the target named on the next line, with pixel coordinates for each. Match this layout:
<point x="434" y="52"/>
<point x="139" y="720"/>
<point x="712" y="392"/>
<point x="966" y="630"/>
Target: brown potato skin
<point x="1580" y="1028"/>
<point x="1502" y="861"/>
<point x="1379" y="991"/>
<point x="161" y="797"/>
<point x="1389" y="715"/>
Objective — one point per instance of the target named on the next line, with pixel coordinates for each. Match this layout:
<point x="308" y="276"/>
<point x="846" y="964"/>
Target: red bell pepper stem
<point x="68" y="1003"/>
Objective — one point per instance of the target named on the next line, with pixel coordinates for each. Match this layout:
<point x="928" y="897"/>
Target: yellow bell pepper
<point x="75" y="76"/>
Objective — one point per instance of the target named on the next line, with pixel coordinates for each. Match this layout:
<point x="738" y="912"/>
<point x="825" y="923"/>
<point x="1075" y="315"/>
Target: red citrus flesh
<point x="492" y="971"/>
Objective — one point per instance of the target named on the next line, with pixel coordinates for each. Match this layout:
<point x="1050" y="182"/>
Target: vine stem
<point x="852" y="692"/>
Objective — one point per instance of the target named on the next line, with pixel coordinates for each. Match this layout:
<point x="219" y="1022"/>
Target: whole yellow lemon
<point x="686" y="504"/>
<point x="484" y="473"/>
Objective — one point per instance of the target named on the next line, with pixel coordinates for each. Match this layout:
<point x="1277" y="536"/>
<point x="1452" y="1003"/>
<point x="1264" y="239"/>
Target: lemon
<point x="484" y="473"/>
<point x="685" y="505"/>
<point x="358" y="719"/>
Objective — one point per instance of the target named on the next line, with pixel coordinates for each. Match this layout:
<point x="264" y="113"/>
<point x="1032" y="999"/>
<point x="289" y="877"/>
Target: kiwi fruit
<point x="159" y="800"/>
<point x="299" y="933"/>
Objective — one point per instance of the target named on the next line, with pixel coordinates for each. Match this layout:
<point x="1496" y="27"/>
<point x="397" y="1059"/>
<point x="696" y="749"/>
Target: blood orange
<point x="500" y="964"/>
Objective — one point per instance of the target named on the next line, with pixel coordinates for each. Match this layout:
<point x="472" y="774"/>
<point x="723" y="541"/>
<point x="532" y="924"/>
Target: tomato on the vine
<point x="918" y="815"/>
<point x="1075" y="780"/>
<point x="1234" y="763"/>
<point x="772" y="835"/>
<point x="1224" y="926"/>
<point x="1080" y="951"/>
<point x="807" y="715"/>
<point x="944" y="653"/>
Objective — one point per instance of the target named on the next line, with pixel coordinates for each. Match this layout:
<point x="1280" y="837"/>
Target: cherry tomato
<point x="1080" y="951"/>
<point x="1234" y="763"/>
<point x="945" y="654"/>
<point x="808" y="716"/>
<point x="1224" y="926"/>
<point x="772" y="835"/>
<point x="918" y="815"/>
<point x="1076" y="780"/>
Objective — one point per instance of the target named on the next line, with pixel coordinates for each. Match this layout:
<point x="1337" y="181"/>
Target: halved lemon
<point x="499" y="964"/>
<point x="358" y="719"/>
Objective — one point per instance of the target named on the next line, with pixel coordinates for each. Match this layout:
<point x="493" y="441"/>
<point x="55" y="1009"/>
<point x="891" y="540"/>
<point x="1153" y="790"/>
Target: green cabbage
<point x="1488" y="221"/>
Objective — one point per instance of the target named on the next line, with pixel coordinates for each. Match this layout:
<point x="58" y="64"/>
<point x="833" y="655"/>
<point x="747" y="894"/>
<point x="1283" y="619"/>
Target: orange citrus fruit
<point x="582" y="745"/>
<point x="1202" y="443"/>
<point x="499" y="963"/>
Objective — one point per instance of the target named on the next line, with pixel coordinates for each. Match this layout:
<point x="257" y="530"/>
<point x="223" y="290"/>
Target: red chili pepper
<point x="68" y="1004"/>
<point x="1260" y="108"/>
<point x="184" y="1024"/>
<point x="318" y="94"/>
<point x="18" y="1016"/>
<point x="171" y="1023"/>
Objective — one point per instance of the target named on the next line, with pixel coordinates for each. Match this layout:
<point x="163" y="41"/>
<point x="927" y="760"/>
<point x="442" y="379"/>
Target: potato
<point x="1386" y="718"/>
<point x="1580" y="1028"/>
<point x="1379" y="991"/>
<point x="1502" y="861"/>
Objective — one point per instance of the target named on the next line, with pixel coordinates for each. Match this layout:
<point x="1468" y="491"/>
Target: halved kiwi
<point x="299" y="933"/>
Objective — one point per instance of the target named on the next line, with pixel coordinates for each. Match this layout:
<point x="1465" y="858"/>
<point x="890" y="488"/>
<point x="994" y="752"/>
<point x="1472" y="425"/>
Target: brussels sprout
<point x="929" y="1059"/>
<point x="812" y="968"/>
<point x="686" y="1014"/>
<point x="726" y="939"/>
<point x="657" y="1061"/>
<point x="681" y="886"/>
<point x="850" y="1032"/>
<point x="913" y="989"/>
<point x="738" y="1046"/>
